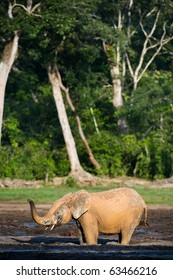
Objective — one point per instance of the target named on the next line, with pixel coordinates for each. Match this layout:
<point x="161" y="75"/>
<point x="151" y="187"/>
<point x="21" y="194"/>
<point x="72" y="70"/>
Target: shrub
<point x="31" y="161"/>
<point x="108" y="152"/>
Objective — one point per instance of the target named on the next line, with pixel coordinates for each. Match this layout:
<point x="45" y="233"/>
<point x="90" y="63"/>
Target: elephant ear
<point x="80" y="203"/>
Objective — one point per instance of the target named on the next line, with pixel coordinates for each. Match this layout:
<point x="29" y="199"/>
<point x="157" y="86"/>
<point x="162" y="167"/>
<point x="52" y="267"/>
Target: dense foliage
<point x="71" y="33"/>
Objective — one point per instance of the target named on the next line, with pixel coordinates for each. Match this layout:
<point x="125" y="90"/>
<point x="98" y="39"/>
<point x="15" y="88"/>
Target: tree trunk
<point x="113" y="56"/>
<point x="68" y="137"/>
<point x="10" y="53"/>
<point x="114" y="60"/>
<point x="8" y="57"/>
<point x="81" y="133"/>
<point x="117" y="86"/>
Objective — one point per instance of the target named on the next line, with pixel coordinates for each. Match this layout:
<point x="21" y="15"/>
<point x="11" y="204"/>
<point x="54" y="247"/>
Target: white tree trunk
<point x="114" y="59"/>
<point x="68" y="137"/>
<point x="8" y="58"/>
<point x="117" y="87"/>
<point x="81" y="133"/>
<point x="10" y="52"/>
<point x="113" y="56"/>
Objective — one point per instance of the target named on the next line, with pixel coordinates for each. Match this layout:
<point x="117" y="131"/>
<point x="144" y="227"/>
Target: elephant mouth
<point x="51" y="227"/>
<point x="55" y="223"/>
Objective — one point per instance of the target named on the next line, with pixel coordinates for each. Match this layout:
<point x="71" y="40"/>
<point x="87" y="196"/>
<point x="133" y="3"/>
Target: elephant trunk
<point x="39" y="220"/>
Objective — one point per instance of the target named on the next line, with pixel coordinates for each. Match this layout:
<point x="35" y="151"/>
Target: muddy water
<point x="21" y="238"/>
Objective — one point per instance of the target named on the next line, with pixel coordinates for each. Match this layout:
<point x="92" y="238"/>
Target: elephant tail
<point x="145" y="216"/>
<point x="144" y="222"/>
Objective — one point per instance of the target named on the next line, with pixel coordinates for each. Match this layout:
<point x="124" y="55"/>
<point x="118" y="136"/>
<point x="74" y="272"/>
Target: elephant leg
<point x="81" y="237"/>
<point x="126" y="235"/>
<point x="91" y="237"/>
<point x="81" y="234"/>
<point x="89" y="229"/>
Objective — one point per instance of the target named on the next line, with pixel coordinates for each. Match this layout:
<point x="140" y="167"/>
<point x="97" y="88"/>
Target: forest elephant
<point x="112" y="211"/>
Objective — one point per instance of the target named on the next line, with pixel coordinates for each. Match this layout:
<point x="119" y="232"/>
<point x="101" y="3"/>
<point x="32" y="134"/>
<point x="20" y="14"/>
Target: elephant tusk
<point x="52" y="227"/>
<point x="46" y="228"/>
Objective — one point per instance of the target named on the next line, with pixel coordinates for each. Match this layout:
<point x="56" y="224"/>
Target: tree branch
<point x="144" y="49"/>
<point x="129" y="34"/>
<point x="19" y="5"/>
<point x="129" y="65"/>
<point x="27" y="8"/>
<point x="10" y="11"/>
<point x="161" y="44"/>
<point x="151" y="12"/>
<point x="29" y="5"/>
<point x="35" y="7"/>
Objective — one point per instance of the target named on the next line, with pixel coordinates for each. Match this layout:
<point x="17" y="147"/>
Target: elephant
<point x="116" y="211"/>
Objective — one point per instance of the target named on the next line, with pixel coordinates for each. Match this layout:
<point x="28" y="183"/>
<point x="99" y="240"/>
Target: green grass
<point x="48" y="194"/>
<point x="157" y="196"/>
<point x="45" y="194"/>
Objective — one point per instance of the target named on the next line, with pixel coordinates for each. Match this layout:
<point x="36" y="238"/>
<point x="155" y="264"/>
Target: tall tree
<point x="78" y="121"/>
<point x="134" y="22"/>
<point x="56" y="44"/>
<point x="10" y="51"/>
<point x="8" y="57"/>
<point x="77" y="170"/>
<point x="75" y="165"/>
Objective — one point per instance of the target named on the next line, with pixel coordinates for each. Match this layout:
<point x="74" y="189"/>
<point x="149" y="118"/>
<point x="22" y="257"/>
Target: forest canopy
<point x="110" y="65"/>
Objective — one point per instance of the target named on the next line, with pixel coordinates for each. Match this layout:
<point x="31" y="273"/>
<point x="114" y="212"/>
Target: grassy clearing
<point x="157" y="196"/>
<point x="48" y="194"/>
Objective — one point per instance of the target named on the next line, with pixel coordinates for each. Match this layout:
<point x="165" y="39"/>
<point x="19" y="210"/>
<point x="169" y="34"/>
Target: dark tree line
<point x="110" y="62"/>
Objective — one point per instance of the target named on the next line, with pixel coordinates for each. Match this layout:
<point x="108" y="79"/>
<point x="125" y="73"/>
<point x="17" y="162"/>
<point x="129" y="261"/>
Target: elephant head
<point x="63" y="210"/>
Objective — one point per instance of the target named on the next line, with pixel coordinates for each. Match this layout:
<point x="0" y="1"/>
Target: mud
<point x="21" y="238"/>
